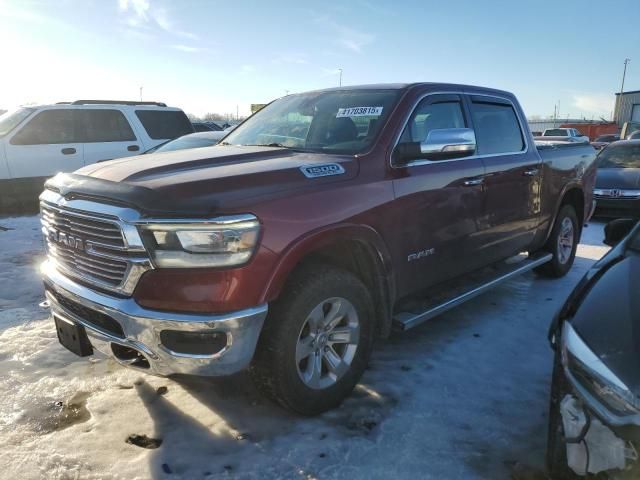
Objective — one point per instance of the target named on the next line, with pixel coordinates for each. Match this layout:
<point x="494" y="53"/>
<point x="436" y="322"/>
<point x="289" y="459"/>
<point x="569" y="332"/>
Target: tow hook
<point x="45" y="305"/>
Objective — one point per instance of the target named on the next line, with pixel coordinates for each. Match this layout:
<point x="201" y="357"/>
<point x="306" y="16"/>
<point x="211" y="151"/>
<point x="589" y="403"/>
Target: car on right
<point x="617" y="190"/>
<point x="594" y="415"/>
<point x="603" y="140"/>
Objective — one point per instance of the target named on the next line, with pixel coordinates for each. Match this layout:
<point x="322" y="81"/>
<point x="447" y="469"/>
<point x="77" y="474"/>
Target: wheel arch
<point x="573" y="194"/>
<point x="357" y="248"/>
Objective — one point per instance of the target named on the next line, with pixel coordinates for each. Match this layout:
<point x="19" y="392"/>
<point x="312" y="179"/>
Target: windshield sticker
<point x="359" y="112"/>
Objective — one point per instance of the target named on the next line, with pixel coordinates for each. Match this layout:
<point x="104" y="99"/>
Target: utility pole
<point x="140" y="93"/>
<point x="340" y="81"/>
<point x="624" y="74"/>
<point x="237" y="113"/>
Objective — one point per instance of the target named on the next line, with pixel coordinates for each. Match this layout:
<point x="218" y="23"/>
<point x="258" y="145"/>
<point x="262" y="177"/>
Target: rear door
<point x="437" y="203"/>
<point x="511" y="210"/>
<point x="46" y="144"/>
<point x="106" y="134"/>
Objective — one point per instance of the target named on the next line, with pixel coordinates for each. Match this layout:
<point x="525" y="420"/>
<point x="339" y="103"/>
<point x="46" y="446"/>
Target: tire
<point x="315" y="297"/>
<point x="562" y="244"/>
<point x="556" y="455"/>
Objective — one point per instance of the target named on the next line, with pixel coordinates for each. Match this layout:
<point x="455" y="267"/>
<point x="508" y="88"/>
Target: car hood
<point x="608" y="320"/>
<point x="618" y="178"/>
<point x="203" y="181"/>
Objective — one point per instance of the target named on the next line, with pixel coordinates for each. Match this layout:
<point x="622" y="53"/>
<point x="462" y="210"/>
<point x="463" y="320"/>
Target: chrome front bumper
<point x="142" y="329"/>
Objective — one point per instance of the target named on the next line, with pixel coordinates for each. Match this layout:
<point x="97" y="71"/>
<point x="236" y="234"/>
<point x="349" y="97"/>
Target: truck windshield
<point x="341" y="121"/>
<point x="620" y="156"/>
<point x="10" y="119"/>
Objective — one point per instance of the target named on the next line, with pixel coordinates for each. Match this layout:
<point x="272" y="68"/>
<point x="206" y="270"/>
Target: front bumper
<point x="620" y="208"/>
<point x="138" y="329"/>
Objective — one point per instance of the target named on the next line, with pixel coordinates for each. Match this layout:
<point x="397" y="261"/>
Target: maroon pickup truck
<point x="324" y="220"/>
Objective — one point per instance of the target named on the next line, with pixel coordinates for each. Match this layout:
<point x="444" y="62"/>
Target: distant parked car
<point x="38" y="142"/>
<point x="617" y="190"/>
<point x="206" y="127"/>
<point x="192" y="140"/>
<point x="604" y="140"/>
<point x="571" y="133"/>
<point x="594" y="413"/>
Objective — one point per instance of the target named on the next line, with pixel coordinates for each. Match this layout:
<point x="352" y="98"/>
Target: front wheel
<point x="562" y="244"/>
<point x="316" y="341"/>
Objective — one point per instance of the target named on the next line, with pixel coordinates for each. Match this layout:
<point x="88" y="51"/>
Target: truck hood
<point x="623" y="178"/>
<point x="204" y="181"/>
<point x="609" y="323"/>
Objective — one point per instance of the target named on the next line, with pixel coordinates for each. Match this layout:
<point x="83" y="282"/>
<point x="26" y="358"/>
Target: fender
<point x="317" y="239"/>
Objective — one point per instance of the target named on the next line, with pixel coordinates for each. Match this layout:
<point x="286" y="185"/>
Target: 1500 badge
<point x="324" y="170"/>
<point x="421" y="254"/>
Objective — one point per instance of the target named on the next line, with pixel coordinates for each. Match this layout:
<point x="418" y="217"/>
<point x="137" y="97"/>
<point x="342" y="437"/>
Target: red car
<point x="321" y="222"/>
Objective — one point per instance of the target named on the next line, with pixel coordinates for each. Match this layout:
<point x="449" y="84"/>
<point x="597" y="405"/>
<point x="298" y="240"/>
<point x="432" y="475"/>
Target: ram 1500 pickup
<point x="323" y="221"/>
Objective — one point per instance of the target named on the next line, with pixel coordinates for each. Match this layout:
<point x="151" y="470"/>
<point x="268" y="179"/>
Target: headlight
<point x="221" y="242"/>
<point x="595" y="376"/>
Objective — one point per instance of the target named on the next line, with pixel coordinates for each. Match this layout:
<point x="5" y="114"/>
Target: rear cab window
<point x="164" y="124"/>
<point x="496" y="125"/>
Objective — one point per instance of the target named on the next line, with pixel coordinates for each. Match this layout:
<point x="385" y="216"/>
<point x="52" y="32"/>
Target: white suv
<point x="38" y="142"/>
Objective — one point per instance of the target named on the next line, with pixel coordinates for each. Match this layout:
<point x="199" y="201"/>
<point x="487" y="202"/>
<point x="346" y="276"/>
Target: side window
<point x="164" y="124"/>
<point x="430" y="115"/>
<point x="99" y="125"/>
<point x="497" y="128"/>
<point x="48" y="127"/>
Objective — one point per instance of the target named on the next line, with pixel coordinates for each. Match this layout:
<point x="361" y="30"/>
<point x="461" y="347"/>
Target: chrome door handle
<point x="531" y="173"/>
<point x="472" y="182"/>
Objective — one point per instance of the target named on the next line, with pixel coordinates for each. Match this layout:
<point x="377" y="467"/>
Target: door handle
<point x="68" y="151"/>
<point x="531" y="173"/>
<point x="133" y="148"/>
<point x="472" y="182"/>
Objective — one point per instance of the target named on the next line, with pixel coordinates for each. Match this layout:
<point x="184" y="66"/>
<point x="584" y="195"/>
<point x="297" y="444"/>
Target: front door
<point x="512" y="182"/>
<point x="45" y="145"/>
<point x="437" y="203"/>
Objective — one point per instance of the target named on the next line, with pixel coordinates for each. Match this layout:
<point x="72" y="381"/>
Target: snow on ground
<point x="463" y="396"/>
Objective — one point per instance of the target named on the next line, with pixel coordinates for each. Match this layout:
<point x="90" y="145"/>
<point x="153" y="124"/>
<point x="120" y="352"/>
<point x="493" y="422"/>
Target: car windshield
<point x="556" y="132"/>
<point x="340" y="121"/>
<point x="620" y="156"/>
<point x="10" y="119"/>
<point x="183" y="143"/>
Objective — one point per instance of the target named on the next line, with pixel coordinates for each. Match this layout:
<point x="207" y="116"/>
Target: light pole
<point x="624" y="74"/>
<point x="140" y="93"/>
<point x="340" y="81"/>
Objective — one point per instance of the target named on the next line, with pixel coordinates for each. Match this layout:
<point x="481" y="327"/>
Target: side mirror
<point x="616" y="230"/>
<point x="445" y="143"/>
<point x="440" y="144"/>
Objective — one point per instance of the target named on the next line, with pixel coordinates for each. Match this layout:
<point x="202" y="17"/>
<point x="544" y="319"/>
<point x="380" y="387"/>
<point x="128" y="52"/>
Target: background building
<point x="627" y="107"/>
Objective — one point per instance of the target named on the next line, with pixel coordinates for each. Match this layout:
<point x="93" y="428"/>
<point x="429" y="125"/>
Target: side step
<point x="465" y="289"/>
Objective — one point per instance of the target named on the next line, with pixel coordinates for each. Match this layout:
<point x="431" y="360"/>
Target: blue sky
<point x="211" y="56"/>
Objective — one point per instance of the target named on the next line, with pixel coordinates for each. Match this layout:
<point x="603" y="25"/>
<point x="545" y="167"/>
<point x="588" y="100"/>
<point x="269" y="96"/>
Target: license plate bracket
<point x="73" y="337"/>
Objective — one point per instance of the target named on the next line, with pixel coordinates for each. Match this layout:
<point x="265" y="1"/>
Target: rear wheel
<point x="316" y="341"/>
<point x="562" y="244"/>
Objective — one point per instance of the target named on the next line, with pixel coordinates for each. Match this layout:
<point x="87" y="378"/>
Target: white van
<point x="38" y="142"/>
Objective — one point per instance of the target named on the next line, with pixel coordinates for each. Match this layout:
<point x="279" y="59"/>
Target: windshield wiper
<point x="275" y="145"/>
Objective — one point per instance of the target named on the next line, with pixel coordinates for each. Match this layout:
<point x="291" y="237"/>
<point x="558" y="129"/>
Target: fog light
<point x="193" y="343"/>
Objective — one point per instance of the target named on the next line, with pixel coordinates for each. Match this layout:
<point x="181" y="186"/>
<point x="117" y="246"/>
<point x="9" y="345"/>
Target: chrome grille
<point x="92" y="247"/>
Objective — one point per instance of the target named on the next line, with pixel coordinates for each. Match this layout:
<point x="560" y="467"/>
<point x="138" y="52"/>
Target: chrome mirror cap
<point x="449" y="140"/>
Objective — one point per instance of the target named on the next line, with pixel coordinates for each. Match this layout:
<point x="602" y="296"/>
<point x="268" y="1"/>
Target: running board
<point x="456" y="295"/>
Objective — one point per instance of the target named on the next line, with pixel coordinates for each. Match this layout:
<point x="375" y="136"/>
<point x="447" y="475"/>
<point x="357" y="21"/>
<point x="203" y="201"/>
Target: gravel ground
<point x="462" y="396"/>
